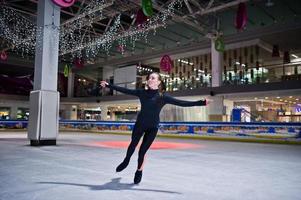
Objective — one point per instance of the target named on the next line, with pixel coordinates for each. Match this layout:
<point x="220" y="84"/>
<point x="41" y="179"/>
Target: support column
<point x="229" y="105"/>
<point x="13" y="112"/>
<point x="216" y="108"/>
<point x="104" y="112"/>
<point x="217" y="66"/>
<point x="70" y="92"/>
<point x="44" y="100"/>
<point x="70" y="112"/>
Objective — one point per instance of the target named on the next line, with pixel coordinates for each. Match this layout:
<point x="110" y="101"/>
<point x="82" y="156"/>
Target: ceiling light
<point x="266" y="97"/>
<point x="294" y="56"/>
<point x="290" y="97"/>
<point x="278" y="97"/>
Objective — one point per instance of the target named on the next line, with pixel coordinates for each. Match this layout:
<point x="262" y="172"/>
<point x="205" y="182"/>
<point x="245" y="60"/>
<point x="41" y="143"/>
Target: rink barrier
<point x="224" y="129"/>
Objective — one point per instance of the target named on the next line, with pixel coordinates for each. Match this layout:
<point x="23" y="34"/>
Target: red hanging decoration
<point x="241" y="16"/>
<point x="3" y="56"/>
<point x="166" y="63"/>
<point x="79" y="63"/>
<point x="141" y="18"/>
<point x="120" y="48"/>
<point x="275" y="52"/>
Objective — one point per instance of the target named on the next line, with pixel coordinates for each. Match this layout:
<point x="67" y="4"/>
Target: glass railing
<point x="240" y="75"/>
<point x="262" y="74"/>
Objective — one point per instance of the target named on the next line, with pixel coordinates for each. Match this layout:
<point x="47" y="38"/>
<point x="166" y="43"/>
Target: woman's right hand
<point x="103" y="84"/>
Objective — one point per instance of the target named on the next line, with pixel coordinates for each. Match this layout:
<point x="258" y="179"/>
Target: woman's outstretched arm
<point x="120" y="89"/>
<point x="171" y="100"/>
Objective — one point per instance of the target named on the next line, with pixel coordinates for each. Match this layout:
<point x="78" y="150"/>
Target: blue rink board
<point x="197" y="128"/>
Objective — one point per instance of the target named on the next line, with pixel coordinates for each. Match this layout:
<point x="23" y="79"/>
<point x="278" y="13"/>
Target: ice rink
<point x="82" y="166"/>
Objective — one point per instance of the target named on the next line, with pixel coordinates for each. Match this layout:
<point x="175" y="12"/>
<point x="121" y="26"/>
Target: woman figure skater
<point x="152" y="99"/>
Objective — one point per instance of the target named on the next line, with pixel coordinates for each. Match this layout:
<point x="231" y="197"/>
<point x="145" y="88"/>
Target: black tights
<point x="149" y="137"/>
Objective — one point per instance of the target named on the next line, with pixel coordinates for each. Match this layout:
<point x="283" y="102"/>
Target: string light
<point x="25" y="36"/>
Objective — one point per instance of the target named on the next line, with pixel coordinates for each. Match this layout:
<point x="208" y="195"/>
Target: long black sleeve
<point x="124" y="90"/>
<point x="171" y="100"/>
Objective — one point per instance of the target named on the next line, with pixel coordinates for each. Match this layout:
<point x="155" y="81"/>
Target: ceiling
<point x="191" y="25"/>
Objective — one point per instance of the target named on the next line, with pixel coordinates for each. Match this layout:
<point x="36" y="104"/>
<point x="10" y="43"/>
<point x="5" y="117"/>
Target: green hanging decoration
<point x="147" y="7"/>
<point x="219" y="44"/>
<point x="67" y="69"/>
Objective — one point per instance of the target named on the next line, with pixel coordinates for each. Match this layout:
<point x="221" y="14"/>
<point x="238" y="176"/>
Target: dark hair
<point x="162" y="87"/>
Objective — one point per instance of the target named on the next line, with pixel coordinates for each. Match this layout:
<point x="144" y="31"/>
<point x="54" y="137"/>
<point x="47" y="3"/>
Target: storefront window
<point x="23" y="113"/>
<point x="4" y="113"/>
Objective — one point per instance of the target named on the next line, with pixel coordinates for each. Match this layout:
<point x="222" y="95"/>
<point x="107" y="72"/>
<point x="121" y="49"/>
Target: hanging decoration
<point x="219" y="44"/>
<point x="276" y="52"/>
<point x="166" y="63"/>
<point x="120" y="48"/>
<point x="64" y="3"/>
<point x="79" y="63"/>
<point x="3" y="56"/>
<point x="241" y="16"/>
<point x="67" y="70"/>
<point x="141" y="18"/>
<point x="147" y="7"/>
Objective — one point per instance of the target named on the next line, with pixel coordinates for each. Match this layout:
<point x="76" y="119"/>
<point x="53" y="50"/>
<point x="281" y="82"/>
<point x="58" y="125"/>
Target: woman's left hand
<point x="208" y="101"/>
<point x="103" y="84"/>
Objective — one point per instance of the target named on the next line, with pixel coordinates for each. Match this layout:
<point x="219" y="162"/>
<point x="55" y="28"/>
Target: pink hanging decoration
<point x="120" y="48"/>
<point x="79" y="63"/>
<point x="64" y="3"/>
<point x="241" y="16"/>
<point x="3" y="56"/>
<point x="166" y="64"/>
<point x="140" y="18"/>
